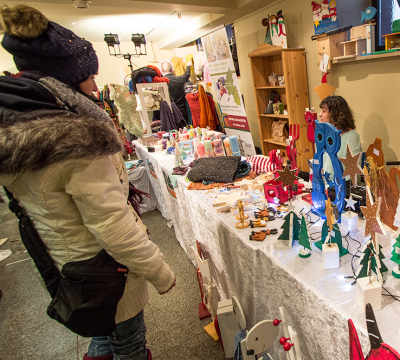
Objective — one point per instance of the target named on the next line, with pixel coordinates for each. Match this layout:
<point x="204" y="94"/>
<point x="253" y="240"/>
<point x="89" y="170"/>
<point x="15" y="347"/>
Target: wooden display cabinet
<point x="292" y="64"/>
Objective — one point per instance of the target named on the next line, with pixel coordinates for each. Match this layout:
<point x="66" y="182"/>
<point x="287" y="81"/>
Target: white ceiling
<point x="155" y="18"/>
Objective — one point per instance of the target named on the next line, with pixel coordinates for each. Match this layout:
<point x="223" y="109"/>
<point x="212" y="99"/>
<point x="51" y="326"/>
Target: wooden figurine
<point x="324" y="89"/>
<point x="304" y="239"/>
<point x="242" y="224"/>
<point x="294" y="133"/>
<point x="260" y="235"/>
<point x="257" y="223"/>
<point x="383" y="185"/>
<point x="263" y="215"/>
<point x="330" y="145"/>
<point x="379" y="349"/>
<point x="310" y="118"/>
<point x="293" y="348"/>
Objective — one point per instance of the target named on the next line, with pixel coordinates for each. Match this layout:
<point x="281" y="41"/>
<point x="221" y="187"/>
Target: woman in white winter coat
<point x="60" y="156"/>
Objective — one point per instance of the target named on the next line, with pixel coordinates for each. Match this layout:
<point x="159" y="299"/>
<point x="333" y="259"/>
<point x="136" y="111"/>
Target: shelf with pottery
<point x="290" y="63"/>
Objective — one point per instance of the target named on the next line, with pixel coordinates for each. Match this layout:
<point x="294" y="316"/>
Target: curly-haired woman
<point x="335" y="110"/>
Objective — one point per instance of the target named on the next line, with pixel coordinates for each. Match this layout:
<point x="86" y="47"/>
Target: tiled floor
<point x="27" y="333"/>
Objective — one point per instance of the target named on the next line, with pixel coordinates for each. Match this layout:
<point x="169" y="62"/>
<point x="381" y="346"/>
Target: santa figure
<point x="325" y="10"/>
<point x="316" y="8"/>
<point x="332" y="10"/>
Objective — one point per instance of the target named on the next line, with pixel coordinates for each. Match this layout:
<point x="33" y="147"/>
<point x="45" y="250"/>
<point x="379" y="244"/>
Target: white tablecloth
<point x="266" y="275"/>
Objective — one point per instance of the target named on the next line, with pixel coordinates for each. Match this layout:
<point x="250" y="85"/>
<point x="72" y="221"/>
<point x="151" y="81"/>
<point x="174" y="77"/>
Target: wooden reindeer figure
<point x="383" y="185"/>
<point x="294" y="133"/>
<point x="379" y="350"/>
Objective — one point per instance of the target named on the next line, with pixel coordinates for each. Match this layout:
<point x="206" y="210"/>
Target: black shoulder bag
<point x="85" y="294"/>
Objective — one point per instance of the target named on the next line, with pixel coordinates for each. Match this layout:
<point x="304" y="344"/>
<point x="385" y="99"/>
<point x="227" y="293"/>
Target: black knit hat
<point x="57" y="52"/>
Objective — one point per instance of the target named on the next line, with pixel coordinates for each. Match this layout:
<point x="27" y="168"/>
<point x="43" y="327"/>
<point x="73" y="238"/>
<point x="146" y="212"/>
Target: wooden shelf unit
<point x="292" y="64"/>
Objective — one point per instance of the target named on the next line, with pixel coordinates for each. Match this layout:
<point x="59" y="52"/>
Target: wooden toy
<point x="274" y="192"/>
<point x="294" y="131"/>
<point x="384" y="185"/>
<point x="369" y="291"/>
<point x="242" y="224"/>
<point x="275" y="157"/>
<point x="379" y="350"/>
<point x="371" y="262"/>
<point x="349" y="222"/>
<point x="396" y="258"/>
<point x="331" y="45"/>
<point x="324" y="89"/>
<point x="362" y="38"/>
<point x="208" y="291"/>
<point x="257" y="223"/>
<point x="263" y="215"/>
<point x="325" y="16"/>
<point x="351" y="166"/>
<point x="304" y="239"/>
<point x="373" y="224"/>
<point x="258" y="339"/>
<point x="291" y="228"/>
<point x="260" y="235"/>
<point x="310" y="118"/>
<point x="292" y="349"/>
<point x="245" y="216"/>
<point x="327" y="140"/>
<point x="228" y="326"/>
<point x="392" y="41"/>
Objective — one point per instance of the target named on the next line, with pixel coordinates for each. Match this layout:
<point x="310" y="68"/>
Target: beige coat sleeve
<point x="98" y="194"/>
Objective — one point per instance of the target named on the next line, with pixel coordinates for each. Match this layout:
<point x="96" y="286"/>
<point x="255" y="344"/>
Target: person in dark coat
<point x="176" y="86"/>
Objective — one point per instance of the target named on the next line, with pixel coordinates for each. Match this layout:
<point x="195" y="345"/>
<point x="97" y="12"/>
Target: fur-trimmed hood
<point x="36" y="144"/>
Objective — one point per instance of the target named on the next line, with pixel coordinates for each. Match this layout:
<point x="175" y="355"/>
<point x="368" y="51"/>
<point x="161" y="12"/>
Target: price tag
<point x="376" y="152"/>
<point x="316" y="161"/>
<point x="290" y="138"/>
<point x="332" y="233"/>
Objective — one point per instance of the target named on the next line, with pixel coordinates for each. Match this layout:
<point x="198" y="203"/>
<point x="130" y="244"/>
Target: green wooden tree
<point x="304" y="239"/>
<point x="337" y="238"/>
<point x="369" y="259"/>
<point x="290" y="232"/>
<point x="381" y="257"/>
<point x="396" y="258"/>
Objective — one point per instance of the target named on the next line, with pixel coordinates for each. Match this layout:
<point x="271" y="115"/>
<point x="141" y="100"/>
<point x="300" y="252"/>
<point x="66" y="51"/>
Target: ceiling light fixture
<point x="81" y="4"/>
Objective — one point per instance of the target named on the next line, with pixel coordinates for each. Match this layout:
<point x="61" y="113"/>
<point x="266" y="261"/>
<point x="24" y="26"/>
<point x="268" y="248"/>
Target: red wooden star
<point x="373" y="223"/>
<point x="351" y="166"/>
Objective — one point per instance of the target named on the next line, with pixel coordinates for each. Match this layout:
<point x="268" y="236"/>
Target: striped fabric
<point x="260" y="164"/>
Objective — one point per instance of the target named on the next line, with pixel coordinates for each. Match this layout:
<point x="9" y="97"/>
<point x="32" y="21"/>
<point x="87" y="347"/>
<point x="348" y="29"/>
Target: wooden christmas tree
<point x="336" y="237"/>
<point x="396" y="258"/>
<point x="291" y="228"/>
<point x="369" y="262"/>
<point x="304" y="239"/>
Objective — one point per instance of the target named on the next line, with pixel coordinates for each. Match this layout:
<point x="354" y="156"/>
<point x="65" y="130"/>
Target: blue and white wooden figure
<point x="327" y="140"/>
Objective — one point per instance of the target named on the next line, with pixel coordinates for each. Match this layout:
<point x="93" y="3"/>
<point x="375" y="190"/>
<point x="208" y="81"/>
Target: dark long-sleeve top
<point x="176" y="88"/>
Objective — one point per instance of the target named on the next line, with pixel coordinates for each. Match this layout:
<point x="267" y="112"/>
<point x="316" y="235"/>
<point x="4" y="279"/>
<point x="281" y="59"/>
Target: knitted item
<point x="136" y="198"/>
<point x="57" y="52"/>
<point x="260" y="164"/>
<point x="170" y="120"/>
<point x="206" y="115"/>
<point x="243" y="169"/>
<point x="218" y="169"/>
<point x="127" y="114"/>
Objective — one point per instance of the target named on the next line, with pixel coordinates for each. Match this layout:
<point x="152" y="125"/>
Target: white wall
<point x="371" y="88"/>
<point x="111" y="68"/>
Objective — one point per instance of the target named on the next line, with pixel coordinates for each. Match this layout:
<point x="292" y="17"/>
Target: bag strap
<point x="35" y="246"/>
